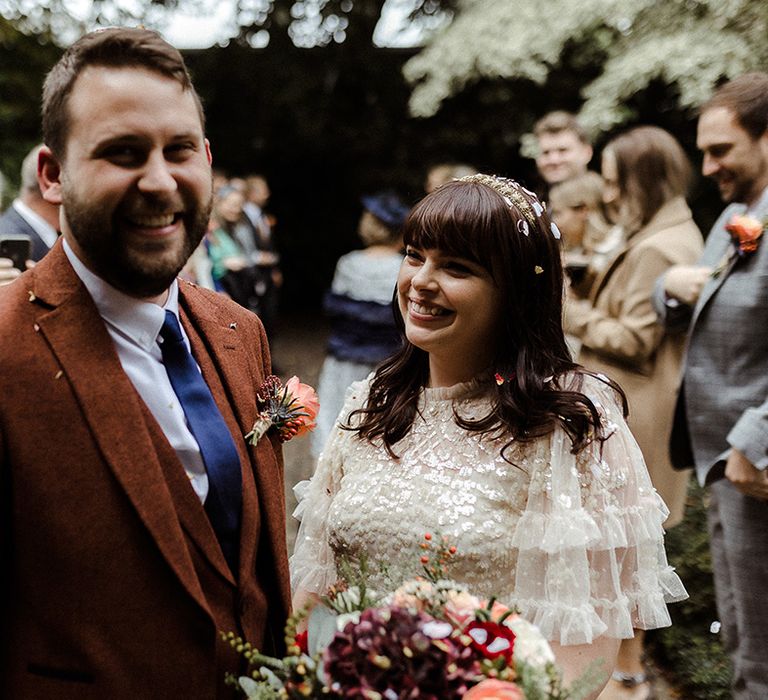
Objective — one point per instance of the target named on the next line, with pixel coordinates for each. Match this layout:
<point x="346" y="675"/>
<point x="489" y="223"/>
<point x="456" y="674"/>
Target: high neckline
<point x="461" y="390"/>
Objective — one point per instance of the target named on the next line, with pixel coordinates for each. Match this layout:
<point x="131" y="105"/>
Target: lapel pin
<point x="233" y="326"/>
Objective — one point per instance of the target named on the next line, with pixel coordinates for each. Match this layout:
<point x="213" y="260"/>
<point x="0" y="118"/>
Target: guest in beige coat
<point x="646" y="176"/>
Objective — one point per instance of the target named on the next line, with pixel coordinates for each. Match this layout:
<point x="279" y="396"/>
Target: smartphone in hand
<point x="17" y="248"/>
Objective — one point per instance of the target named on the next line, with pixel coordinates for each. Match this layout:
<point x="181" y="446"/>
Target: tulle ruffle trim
<point x="613" y="528"/>
<point x="300" y="491"/>
<point x="570" y="624"/>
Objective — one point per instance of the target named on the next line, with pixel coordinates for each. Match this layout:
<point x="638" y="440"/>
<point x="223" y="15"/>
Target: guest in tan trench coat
<point x="646" y="176"/>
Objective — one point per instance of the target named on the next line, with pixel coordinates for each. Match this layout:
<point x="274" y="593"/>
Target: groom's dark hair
<point x="118" y="47"/>
<point x="747" y="97"/>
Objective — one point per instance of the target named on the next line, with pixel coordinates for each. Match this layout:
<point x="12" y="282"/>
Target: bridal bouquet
<point x="431" y="639"/>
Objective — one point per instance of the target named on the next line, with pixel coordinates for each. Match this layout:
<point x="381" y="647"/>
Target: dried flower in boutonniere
<point x="746" y="232"/>
<point x="289" y="410"/>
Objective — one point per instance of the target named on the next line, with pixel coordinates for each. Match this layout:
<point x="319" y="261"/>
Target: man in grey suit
<point x="721" y="423"/>
<point x="30" y="214"/>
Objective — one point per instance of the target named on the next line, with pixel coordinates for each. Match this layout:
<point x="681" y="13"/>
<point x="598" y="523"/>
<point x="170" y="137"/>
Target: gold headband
<point x="514" y="194"/>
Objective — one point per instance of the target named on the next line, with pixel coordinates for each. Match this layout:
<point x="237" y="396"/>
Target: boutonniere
<point x="746" y="232"/>
<point x="289" y="410"/>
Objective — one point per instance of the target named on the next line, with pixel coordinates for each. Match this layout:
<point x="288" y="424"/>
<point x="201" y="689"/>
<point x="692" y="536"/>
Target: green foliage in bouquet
<point x="689" y="650"/>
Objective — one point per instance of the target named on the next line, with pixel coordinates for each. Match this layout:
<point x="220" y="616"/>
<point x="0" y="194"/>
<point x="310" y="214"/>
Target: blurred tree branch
<point x="688" y="45"/>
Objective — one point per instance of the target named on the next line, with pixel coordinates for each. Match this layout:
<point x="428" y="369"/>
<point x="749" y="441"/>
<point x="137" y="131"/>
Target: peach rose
<point x="460" y="606"/>
<point x="745" y="231"/>
<point x="306" y="397"/>
<point x="492" y="689"/>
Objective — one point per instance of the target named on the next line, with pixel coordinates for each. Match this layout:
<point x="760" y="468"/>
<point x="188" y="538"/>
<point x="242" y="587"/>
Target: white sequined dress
<point x="575" y="542"/>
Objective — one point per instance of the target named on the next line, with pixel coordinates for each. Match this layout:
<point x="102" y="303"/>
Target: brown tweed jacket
<point x="113" y="584"/>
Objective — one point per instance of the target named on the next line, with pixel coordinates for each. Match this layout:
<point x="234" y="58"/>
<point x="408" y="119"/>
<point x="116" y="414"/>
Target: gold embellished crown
<point x="516" y="196"/>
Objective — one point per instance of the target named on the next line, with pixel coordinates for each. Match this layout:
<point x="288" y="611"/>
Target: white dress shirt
<point x="134" y="327"/>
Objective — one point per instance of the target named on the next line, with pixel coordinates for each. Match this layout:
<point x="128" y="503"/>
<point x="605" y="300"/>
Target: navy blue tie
<point x="222" y="462"/>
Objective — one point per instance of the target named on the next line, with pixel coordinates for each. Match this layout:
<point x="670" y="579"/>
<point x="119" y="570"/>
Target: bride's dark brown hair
<point x="520" y="248"/>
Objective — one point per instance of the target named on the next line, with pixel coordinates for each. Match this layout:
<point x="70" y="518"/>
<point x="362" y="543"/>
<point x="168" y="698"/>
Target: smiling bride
<point x="482" y="429"/>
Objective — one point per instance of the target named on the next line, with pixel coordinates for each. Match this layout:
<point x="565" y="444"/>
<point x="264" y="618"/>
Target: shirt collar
<point x="139" y="321"/>
<point x="37" y="222"/>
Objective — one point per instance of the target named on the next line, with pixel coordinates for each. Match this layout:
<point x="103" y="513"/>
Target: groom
<point x="135" y="521"/>
<point x="721" y="423"/>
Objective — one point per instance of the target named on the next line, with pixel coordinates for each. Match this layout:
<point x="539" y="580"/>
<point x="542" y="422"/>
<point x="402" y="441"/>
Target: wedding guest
<point x="359" y="306"/>
<point x="264" y="254"/>
<point x="29" y="214"/>
<point x="482" y="429"/>
<point x="721" y="419"/>
<point x="446" y="172"/>
<point x="646" y="175"/>
<point x="136" y="523"/>
<point x="564" y="149"/>
<point x="231" y="269"/>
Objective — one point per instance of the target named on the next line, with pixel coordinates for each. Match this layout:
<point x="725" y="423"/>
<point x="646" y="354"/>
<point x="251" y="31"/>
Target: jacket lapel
<point x="76" y="334"/>
<point x="714" y="283"/>
<point x="218" y="337"/>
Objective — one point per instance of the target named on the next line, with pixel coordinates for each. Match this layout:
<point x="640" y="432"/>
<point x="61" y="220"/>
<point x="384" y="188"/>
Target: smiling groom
<point x="135" y="521"/>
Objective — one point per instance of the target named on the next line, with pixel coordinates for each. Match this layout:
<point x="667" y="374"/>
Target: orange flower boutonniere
<point x="289" y="410"/>
<point x="746" y="232"/>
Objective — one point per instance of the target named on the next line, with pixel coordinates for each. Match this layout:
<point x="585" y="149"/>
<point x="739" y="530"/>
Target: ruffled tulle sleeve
<point x="591" y="557"/>
<point x="312" y="565"/>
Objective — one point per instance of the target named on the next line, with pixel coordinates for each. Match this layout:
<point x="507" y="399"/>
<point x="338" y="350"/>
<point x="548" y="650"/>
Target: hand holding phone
<point x="17" y="248"/>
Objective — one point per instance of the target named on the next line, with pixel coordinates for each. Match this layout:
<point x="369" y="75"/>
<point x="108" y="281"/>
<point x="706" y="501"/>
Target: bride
<point x="482" y="429"/>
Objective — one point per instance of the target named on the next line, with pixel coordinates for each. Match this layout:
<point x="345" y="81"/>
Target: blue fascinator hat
<point x="387" y="207"/>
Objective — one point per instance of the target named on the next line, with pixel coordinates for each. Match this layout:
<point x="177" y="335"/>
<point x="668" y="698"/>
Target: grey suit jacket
<point x="11" y="222"/>
<point x="723" y="402"/>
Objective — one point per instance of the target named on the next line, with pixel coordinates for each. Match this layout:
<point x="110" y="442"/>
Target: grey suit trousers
<point x="737" y="528"/>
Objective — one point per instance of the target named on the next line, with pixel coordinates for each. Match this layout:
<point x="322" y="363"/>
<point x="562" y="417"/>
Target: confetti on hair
<point x="555" y="230"/>
<point x="522" y="227"/>
<point x="538" y="269"/>
<point x="537" y="208"/>
<point x="500" y="379"/>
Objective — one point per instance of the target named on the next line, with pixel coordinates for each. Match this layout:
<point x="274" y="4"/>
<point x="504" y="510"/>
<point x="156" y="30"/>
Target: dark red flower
<point x="491" y="639"/>
<point x="388" y="653"/>
<point x="302" y="642"/>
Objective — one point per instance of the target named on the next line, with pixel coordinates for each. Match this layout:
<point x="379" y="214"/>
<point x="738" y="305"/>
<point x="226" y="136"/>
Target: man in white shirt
<point x="136" y="523"/>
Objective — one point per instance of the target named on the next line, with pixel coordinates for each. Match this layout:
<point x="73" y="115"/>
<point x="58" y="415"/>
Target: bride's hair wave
<point x="474" y="219"/>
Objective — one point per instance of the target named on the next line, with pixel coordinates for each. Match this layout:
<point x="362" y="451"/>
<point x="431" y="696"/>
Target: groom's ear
<point x="49" y="175"/>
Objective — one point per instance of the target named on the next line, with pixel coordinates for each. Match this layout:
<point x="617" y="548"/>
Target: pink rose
<point x="460" y="607"/>
<point x="492" y="689"/>
<point x="306" y="397"/>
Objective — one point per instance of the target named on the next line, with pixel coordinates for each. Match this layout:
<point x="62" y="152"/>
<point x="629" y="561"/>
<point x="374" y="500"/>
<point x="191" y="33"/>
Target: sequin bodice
<point x="527" y="530"/>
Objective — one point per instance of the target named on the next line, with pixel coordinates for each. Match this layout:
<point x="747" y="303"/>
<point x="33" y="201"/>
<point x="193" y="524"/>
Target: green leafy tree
<point x="24" y="61"/>
<point x="687" y="45"/>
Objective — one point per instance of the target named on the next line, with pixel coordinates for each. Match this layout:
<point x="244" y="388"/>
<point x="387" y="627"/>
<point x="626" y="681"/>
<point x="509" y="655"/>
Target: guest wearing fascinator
<point x="359" y="305"/>
<point x="481" y="428"/>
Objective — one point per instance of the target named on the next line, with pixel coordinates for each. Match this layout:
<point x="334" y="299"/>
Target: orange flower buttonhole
<point x="746" y="232"/>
